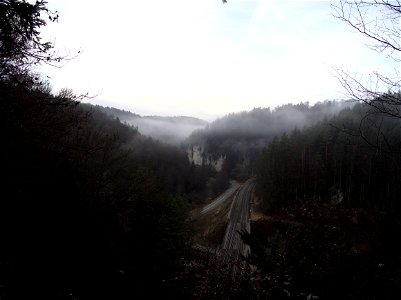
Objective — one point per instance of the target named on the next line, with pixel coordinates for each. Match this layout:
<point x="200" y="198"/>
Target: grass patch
<point x="209" y="229"/>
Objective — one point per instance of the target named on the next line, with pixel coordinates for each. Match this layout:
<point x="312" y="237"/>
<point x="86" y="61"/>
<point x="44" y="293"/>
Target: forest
<point x="94" y="207"/>
<point x="91" y="208"/>
<point x="240" y="137"/>
<point x="332" y="191"/>
<point x="169" y="130"/>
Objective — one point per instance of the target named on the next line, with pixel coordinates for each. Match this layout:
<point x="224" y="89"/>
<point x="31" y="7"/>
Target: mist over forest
<point x="170" y="130"/>
<point x="268" y="121"/>
<point x="239" y="138"/>
<point x="299" y="201"/>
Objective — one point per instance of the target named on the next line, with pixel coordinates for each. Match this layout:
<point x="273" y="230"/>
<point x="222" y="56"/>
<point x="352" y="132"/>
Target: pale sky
<point x="204" y="58"/>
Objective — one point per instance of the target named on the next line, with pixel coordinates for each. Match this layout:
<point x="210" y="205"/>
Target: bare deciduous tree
<point x="379" y="21"/>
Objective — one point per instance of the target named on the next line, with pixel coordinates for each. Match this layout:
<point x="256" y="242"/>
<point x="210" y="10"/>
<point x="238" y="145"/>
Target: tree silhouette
<point x="379" y="22"/>
<point x="21" y="45"/>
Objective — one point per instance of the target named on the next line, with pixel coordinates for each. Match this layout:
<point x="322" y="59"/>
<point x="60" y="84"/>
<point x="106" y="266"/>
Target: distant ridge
<point x="236" y="140"/>
<point x="116" y="112"/>
<point x="171" y="130"/>
<point x="179" y="119"/>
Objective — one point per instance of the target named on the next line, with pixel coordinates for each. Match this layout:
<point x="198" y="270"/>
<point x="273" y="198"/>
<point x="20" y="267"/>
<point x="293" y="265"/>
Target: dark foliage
<point x="324" y="251"/>
<point x="90" y="207"/>
<point x="240" y="138"/>
<point x="21" y="45"/>
<point x="331" y="161"/>
<point x="334" y="211"/>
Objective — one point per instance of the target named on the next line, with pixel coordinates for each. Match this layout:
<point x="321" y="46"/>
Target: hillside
<point x="170" y="130"/>
<point x="239" y="138"/>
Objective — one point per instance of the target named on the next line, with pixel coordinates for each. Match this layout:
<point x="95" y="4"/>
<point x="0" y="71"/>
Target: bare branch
<point x="362" y="16"/>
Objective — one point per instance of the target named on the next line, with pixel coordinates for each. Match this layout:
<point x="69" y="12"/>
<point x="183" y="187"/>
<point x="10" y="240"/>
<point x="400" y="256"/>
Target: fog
<point x="266" y="121"/>
<point x="240" y="137"/>
<point x="170" y="130"/>
<point x="258" y="125"/>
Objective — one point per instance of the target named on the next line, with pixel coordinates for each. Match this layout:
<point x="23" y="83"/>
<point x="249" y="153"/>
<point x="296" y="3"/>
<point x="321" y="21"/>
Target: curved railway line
<point x="239" y="219"/>
<point x="232" y="247"/>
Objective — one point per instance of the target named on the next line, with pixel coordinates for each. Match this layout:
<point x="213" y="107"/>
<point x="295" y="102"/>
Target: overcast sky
<point x="202" y="57"/>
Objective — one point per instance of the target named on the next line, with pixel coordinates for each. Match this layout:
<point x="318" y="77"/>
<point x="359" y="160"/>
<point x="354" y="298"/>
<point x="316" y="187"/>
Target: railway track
<point x="239" y="219"/>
